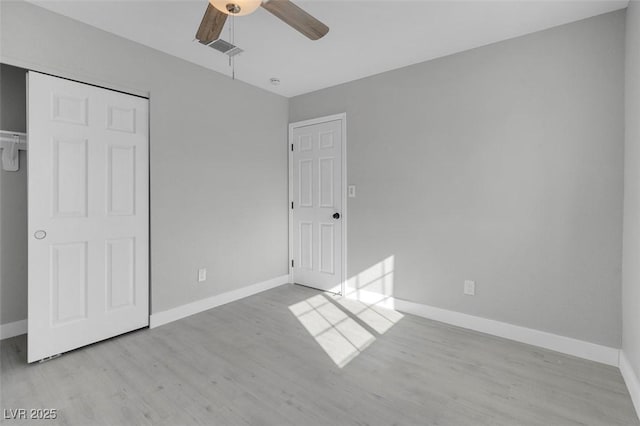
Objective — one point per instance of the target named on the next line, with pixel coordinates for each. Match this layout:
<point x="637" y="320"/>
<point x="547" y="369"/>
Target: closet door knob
<point x="336" y="215"/>
<point x="40" y="234"/>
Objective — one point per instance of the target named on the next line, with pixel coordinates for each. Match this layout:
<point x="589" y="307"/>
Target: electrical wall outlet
<point x="202" y="275"/>
<point x="351" y="191"/>
<point x="470" y="288"/>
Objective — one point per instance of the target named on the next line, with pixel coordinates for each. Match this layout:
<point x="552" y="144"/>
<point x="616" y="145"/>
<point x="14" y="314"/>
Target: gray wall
<point x="218" y="155"/>
<point x="631" y="254"/>
<point x="503" y="165"/>
<point x="13" y="202"/>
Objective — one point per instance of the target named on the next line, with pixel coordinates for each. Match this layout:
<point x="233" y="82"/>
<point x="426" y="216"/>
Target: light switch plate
<point x="202" y="275"/>
<point x="351" y="191"/>
<point x="470" y="288"/>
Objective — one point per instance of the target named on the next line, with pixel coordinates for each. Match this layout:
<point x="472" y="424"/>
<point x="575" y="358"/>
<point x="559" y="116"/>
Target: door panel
<point x="325" y="181"/>
<point x="70" y="178"/>
<point x="69" y="109"/>
<point x="317" y="196"/>
<point x="88" y="214"/>
<point x="326" y="249"/>
<point x="122" y="119"/>
<point x="121" y="277"/>
<point x="121" y="182"/>
<point x="69" y="282"/>
<point x="306" y="245"/>
<point x="305" y="179"/>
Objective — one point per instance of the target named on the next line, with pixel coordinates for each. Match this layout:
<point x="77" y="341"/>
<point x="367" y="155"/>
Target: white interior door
<point x="88" y="185"/>
<point x="317" y="214"/>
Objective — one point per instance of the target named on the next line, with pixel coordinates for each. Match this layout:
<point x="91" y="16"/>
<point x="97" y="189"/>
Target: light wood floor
<point x="253" y="362"/>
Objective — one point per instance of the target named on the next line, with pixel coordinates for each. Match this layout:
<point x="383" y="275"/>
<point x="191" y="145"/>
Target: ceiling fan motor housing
<point x="236" y="7"/>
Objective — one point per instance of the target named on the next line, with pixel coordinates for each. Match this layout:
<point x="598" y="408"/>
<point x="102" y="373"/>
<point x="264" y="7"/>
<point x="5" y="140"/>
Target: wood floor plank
<point x="254" y="362"/>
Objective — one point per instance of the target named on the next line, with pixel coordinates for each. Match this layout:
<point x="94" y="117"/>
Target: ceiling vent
<point x="225" y="47"/>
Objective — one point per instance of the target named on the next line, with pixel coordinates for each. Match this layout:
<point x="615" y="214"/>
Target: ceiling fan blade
<point x="211" y="25"/>
<point x="297" y="18"/>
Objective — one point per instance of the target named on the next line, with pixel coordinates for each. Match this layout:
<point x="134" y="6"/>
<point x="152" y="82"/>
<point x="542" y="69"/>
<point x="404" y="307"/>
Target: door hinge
<point x="292" y="204"/>
<point x="291" y="147"/>
<point x="292" y="263"/>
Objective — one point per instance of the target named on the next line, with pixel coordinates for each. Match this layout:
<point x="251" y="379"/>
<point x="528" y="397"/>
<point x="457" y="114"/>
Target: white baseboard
<point x="631" y="380"/>
<point x="192" y="308"/>
<point x="11" y="329"/>
<point x="554" y="342"/>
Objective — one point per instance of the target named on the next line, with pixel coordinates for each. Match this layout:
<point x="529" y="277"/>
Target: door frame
<point x="342" y="117"/>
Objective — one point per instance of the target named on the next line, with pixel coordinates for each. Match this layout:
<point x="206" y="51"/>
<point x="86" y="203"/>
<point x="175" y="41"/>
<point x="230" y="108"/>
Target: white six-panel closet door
<point x="88" y="214"/>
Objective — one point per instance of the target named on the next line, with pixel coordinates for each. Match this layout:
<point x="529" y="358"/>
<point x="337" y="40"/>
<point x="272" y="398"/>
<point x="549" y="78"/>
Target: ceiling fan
<point x="218" y="10"/>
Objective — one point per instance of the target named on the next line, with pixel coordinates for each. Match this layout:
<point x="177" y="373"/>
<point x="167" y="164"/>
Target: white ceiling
<point x="366" y="37"/>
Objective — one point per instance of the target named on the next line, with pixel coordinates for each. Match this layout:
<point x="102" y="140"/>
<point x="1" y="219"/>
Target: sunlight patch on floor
<point x="373" y="286"/>
<point x="379" y="318"/>
<point x="337" y="333"/>
<point x="345" y="326"/>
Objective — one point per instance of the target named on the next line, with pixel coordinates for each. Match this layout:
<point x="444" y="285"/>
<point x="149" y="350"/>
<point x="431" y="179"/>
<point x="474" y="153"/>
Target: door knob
<point x="336" y="215"/>
<point x="40" y="234"/>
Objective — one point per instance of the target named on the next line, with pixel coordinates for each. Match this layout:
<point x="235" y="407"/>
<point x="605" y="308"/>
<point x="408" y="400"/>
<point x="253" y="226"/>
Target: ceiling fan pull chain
<point x="232" y="36"/>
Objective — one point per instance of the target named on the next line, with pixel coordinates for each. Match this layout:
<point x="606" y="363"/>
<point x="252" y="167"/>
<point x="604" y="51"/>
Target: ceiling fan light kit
<point x="236" y="7"/>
